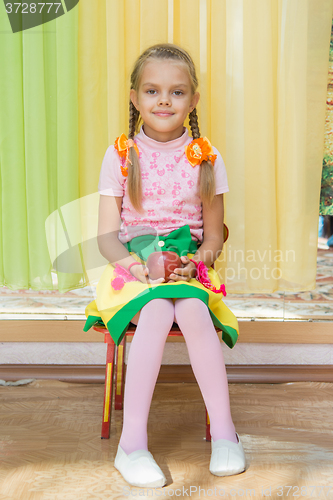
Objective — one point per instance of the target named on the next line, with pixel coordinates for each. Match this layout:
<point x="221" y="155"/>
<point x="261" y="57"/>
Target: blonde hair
<point x="206" y="181"/>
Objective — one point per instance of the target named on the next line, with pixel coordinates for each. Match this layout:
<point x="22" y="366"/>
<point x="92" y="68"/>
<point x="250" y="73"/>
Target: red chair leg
<point x="120" y="370"/>
<point x="208" y="437"/>
<point x="108" y="389"/>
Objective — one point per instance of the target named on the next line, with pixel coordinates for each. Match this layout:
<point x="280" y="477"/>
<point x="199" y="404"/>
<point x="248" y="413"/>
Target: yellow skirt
<point x="116" y="308"/>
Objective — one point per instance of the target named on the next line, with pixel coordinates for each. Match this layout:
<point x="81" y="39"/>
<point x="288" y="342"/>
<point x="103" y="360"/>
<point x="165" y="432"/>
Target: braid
<point x="206" y="180"/>
<point x="133" y="119"/>
<point x="134" y="171"/>
<point x="193" y="121"/>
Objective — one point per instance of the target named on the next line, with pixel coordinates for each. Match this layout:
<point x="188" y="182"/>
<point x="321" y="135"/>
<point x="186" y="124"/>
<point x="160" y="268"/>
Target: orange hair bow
<point x="122" y="145"/>
<point x="200" y="150"/>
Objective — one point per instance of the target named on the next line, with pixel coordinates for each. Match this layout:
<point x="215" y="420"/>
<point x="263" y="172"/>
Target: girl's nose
<point x="164" y="101"/>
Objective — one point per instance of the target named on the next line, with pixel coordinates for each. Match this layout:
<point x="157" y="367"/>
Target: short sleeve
<point x="111" y="180"/>
<point x="220" y="174"/>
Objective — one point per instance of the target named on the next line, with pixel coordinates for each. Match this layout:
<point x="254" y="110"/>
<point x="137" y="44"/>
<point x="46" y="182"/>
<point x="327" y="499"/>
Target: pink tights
<point x="144" y="363"/>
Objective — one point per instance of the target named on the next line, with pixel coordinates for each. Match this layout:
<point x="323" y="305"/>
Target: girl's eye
<point x="153" y="92"/>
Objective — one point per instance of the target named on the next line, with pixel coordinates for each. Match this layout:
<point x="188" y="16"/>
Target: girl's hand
<point x="184" y="273"/>
<point x="141" y="273"/>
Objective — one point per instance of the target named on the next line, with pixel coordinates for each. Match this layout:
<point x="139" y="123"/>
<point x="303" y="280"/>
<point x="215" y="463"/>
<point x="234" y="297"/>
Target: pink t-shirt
<point x="169" y="187"/>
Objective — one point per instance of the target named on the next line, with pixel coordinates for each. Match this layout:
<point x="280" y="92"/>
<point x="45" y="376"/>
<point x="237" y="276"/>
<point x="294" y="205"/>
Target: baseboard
<point x="94" y="374"/>
<point x="261" y="331"/>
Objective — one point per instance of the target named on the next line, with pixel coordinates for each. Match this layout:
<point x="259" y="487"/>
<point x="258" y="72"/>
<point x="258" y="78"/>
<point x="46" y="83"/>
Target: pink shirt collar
<point x="178" y="143"/>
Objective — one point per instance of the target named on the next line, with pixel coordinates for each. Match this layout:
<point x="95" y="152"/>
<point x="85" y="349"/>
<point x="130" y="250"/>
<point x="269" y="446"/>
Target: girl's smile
<point x="163" y="113"/>
<point x="164" y="99"/>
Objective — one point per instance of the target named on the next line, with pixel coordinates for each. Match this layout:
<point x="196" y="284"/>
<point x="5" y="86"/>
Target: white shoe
<point x="139" y="468"/>
<point x="227" y="457"/>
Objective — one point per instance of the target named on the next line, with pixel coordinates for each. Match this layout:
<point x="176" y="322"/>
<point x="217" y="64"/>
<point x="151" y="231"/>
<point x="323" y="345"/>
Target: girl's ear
<point x="134" y="98"/>
<point x="194" y="101"/>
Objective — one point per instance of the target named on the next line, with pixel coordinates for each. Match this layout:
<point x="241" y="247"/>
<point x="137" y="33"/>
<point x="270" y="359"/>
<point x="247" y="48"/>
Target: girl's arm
<point x="109" y="219"/>
<point x="213" y="232"/>
<point x="111" y="248"/>
<point x="213" y="238"/>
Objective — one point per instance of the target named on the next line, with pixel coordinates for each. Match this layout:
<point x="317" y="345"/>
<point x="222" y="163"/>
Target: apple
<point x="162" y="264"/>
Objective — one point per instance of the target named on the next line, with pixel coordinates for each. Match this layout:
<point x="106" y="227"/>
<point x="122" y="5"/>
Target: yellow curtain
<point x="262" y="66"/>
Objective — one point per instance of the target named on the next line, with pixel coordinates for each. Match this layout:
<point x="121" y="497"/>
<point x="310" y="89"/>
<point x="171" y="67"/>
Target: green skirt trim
<point x="92" y="321"/>
<point x="120" y="321"/>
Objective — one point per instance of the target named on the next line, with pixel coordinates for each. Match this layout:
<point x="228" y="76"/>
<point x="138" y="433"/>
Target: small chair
<point x="118" y="353"/>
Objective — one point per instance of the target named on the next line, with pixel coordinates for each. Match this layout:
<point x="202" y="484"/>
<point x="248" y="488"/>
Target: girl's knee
<point x="160" y="301"/>
<point x="164" y="307"/>
<point x="191" y="307"/>
<point x="191" y="303"/>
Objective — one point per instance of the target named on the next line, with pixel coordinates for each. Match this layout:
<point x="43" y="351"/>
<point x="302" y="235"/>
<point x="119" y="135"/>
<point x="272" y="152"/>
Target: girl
<point x="163" y="190"/>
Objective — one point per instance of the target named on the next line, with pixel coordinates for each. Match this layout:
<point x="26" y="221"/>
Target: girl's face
<point x="164" y="98"/>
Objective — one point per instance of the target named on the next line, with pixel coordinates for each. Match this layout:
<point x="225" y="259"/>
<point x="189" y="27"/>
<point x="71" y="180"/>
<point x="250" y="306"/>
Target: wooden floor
<point x="50" y="446"/>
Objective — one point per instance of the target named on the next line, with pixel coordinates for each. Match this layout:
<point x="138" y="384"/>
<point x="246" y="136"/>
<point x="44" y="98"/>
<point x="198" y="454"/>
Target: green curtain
<point x="38" y="146"/>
